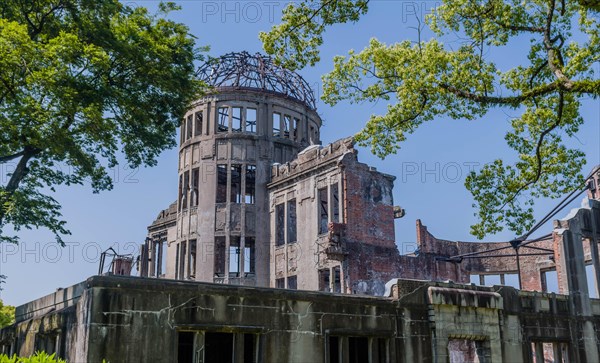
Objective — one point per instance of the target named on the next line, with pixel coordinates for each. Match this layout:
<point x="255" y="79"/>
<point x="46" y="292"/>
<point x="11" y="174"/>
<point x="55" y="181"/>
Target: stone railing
<point x="311" y="156"/>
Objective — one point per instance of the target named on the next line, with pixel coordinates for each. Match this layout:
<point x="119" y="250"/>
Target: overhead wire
<point x="522" y="241"/>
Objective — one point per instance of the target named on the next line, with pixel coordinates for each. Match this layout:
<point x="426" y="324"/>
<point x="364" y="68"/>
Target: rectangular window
<point x="236" y="119"/>
<point x="324" y="282"/>
<point x="358" y="349"/>
<point x="182" y="258"/>
<point x="292" y="282"/>
<point x="162" y="259"/>
<point x="185" y="347"/>
<point x="276" y="124"/>
<point x="280" y="283"/>
<point x="591" y="277"/>
<point x="192" y="260"/>
<point x="186" y="186"/>
<point x="234" y="257"/>
<point x="195" y="183"/>
<point x="337" y="281"/>
<point x="291" y="221"/>
<point x="177" y="261"/>
<point x="221" y="183"/>
<point x="219" y="256"/>
<point x="156" y="258"/>
<point x="199" y="124"/>
<point x="188" y="129"/>
<point x="236" y="184"/>
<point x="218" y="347"/>
<point x="287" y="120"/>
<point x="249" y="194"/>
<point x="335" y="199"/>
<point x="334" y="349"/>
<point x="223" y="119"/>
<point x="250" y="348"/>
<point x="549" y="281"/>
<point x="295" y="126"/>
<point x="182" y="131"/>
<point x="226" y="348"/>
<point x="323" y="210"/>
<point x="249" y="256"/>
<point x="379" y="350"/>
<point x="181" y="189"/>
<point x="279" y="225"/>
<point x="251" y="120"/>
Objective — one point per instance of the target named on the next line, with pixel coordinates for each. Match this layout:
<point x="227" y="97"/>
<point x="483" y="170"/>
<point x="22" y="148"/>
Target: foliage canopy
<point x="82" y="81"/>
<point x="427" y="79"/>
<point x="7" y="314"/>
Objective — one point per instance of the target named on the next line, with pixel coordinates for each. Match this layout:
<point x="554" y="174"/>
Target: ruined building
<point x="257" y="114"/>
<point x="280" y="249"/>
<point x="261" y="202"/>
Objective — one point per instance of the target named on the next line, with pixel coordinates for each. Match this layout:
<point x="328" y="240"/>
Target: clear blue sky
<point x="430" y="167"/>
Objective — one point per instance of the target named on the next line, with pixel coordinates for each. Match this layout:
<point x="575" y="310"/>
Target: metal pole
<point x="516" y="243"/>
<point x="101" y="267"/>
<point x="519" y="268"/>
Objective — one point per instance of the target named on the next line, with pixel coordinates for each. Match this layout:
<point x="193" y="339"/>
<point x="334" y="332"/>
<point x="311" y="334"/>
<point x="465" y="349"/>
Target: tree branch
<point x="553" y="51"/>
<point x="575" y="87"/>
<point x="520" y="28"/>
<point x="6" y="158"/>
<point x="418" y="113"/>
<point x="538" y="151"/>
<point x="38" y="29"/>
<point x="315" y="13"/>
<point x="534" y="75"/>
<point x="513" y="101"/>
<point x="17" y="176"/>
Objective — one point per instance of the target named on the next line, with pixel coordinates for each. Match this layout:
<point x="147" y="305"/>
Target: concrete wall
<point x="127" y="319"/>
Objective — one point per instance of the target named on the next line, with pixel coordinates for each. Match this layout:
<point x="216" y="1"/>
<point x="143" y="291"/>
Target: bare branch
<point x="317" y="11"/>
<point x="538" y="150"/>
<point x="574" y="87"/>
<point x="6" y="158"/>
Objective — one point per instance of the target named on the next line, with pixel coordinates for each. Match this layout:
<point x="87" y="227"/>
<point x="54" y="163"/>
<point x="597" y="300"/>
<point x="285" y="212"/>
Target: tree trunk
<point x="15" y="179"/>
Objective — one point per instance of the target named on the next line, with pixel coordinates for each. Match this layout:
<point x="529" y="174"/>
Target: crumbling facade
<point x="332" y="222"/>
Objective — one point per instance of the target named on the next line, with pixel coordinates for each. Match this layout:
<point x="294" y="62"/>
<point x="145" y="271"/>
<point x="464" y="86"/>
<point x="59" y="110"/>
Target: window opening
<point x="250" y="184"/>
<point x="236" y="183"/>
<point x="221" y="183"/>
<point x="251" y="120"/>
<point x="236" y="119"/>
<point x="279" y="225"/>
<point x="223" y="119"/>
<point x="198" y="126"/>
<point x="276" y="124"/>
<point x="323" y="210"/>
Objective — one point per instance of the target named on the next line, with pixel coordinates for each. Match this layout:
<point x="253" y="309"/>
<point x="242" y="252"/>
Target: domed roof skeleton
<point x="245" y="71"/>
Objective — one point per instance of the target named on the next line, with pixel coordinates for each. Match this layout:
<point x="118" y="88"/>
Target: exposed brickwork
<point x="364" y="242"/>
<point x="594" y="184"/>
<point x="501" y="261"/>
<point x="361" y="240"/>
